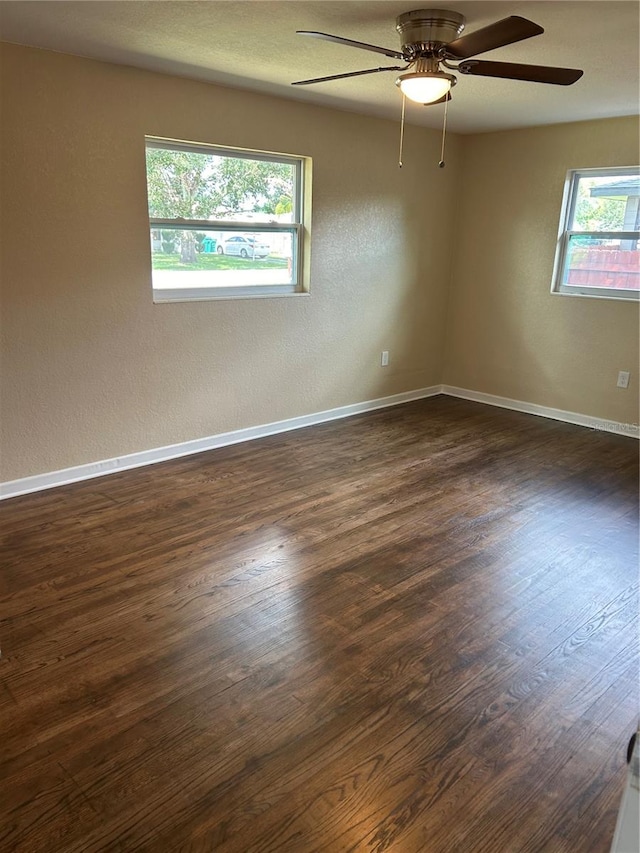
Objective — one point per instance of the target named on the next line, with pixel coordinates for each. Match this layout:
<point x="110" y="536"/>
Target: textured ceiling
<point x="253" y="45"/>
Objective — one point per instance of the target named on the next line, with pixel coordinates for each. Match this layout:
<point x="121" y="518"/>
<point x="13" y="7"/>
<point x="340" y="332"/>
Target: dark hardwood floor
<point x="412" y="630"/>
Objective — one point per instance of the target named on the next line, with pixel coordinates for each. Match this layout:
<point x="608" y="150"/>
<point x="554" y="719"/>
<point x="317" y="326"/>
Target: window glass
<point x="188" y="259"/>
<point x="195" y="185"/>
<point x="602" y="204"/>
<point x="223" y="222"/>
<point x="598" y="248"/>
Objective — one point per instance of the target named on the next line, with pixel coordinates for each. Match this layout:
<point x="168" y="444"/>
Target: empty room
<point x="319" y="426"/>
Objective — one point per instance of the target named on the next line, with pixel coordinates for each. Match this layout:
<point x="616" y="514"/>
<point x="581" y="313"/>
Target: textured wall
<point x="507" y="334"/>
<point x="92" y="369"/>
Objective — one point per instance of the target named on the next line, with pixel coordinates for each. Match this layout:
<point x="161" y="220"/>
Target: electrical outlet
<point x="623" y="379"/>
<point x="384" y="360"/>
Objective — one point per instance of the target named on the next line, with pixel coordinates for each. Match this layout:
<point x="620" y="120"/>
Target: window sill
<point x="606" y="296"/>
<point x="164" y="297"/>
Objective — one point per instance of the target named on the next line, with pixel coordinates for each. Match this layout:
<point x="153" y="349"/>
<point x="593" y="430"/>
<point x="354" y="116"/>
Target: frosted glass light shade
<point x="424" y="87"/>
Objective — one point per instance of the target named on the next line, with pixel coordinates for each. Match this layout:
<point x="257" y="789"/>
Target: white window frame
<point x="569" y="201"/>
<point x="298" y="229"/>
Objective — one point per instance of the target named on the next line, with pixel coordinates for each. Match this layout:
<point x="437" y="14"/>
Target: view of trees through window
<point x="245" y="208"/>
<point x="597" y="213"/>
<point x="601" y="253"/>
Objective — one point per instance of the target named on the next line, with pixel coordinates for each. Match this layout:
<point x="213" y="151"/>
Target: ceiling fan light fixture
<point x="425" y="87"/>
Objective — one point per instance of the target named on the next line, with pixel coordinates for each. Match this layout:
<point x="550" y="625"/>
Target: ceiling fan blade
<point x="506" y="31"/>
<point x="385" y="51"/>
<point x="516" y="71"/>
<point x="349" y="74"/>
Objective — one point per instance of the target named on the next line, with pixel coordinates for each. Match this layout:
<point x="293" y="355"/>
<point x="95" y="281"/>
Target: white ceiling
<point x="253" y="45"/>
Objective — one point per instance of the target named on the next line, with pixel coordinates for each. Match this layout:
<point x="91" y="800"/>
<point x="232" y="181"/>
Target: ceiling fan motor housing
<point x="425" y="30"/>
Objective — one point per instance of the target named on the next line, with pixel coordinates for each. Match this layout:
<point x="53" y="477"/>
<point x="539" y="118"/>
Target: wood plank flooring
<point x="412" y="630"/>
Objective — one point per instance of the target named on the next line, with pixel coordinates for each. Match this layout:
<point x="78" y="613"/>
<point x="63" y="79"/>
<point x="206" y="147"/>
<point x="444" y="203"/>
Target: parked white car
<point x="244" y="247"/>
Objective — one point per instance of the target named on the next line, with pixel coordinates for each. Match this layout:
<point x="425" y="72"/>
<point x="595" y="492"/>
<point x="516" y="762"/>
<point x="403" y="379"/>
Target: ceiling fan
<point x="431" y="40"/>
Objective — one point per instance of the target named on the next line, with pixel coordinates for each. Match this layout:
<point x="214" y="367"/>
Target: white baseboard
<point x="38" y="482"/>
<point x="632" y="430"/>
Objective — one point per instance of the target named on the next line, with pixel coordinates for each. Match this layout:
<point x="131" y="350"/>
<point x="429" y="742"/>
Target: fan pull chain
<point x="444" y="133"/>
<point x="401" y="132"/>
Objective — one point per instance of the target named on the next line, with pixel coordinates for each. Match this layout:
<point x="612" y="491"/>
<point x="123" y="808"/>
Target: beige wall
<point x="92" y="369"/>
<point x="507" y="335"/>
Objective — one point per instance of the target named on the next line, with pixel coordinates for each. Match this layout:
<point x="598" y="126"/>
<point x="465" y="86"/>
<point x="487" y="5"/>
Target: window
<point x="598" y="252"/>
<point x="224" y="222"/>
